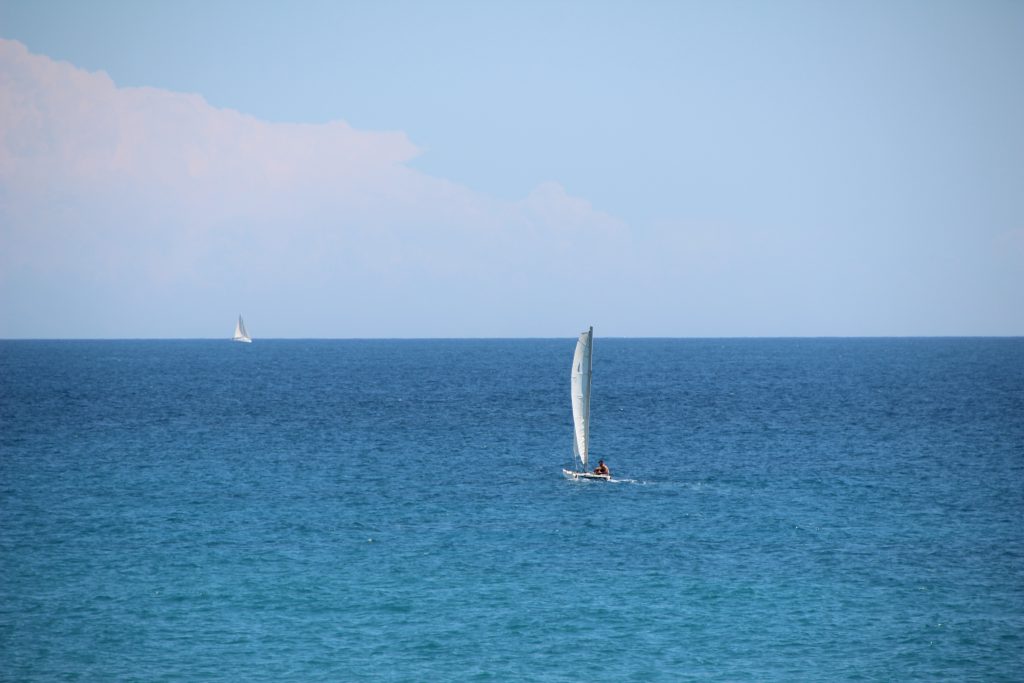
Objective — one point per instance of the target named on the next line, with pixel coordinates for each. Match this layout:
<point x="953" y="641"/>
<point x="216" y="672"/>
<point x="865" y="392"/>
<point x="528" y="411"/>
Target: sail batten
<point x="582" y="366"/>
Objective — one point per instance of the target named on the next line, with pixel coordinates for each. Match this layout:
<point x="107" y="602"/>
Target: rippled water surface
<point x="394" y="511"/>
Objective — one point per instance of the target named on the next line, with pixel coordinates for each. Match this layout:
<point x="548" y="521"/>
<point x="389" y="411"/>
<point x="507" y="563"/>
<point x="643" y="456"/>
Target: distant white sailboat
<point x="582" y="370"/>
<point x="240" y="334"/>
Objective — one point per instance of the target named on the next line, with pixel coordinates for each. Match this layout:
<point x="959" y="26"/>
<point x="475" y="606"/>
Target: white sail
<point x="580" y="384"/>
<point x="240" y="334"/>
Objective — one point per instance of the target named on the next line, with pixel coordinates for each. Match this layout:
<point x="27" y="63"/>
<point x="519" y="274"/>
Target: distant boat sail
<point x="582" y="370"/>
<point x="240" y="334"/>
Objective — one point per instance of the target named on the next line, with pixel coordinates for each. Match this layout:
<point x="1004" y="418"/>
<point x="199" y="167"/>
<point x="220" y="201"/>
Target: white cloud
<point x="142" y="212"/>
<point x="111" y="191"/>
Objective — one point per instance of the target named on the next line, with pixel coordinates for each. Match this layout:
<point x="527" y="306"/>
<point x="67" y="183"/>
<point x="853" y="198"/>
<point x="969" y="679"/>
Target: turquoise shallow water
<point x="394" y="511"/>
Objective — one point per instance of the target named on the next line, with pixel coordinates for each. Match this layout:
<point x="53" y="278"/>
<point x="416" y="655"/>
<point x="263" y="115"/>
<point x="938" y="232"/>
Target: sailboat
<point x="582" y="367"/>
<point x="240" y="334"/>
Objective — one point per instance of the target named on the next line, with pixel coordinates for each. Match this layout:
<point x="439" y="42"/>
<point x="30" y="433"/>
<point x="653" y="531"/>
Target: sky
<point x="520" y="169"/>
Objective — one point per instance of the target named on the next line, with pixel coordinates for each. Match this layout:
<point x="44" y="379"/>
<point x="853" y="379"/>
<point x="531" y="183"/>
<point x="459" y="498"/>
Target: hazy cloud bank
<point x="121" y="198"/>
<point x="143" y="212"/>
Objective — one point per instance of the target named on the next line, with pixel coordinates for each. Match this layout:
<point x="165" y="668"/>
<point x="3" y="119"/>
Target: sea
<point x="395" y="510"/>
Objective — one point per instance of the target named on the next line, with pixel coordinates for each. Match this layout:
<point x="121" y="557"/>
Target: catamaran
<point x="240" y="334"/>
<point x="579" y="383"/>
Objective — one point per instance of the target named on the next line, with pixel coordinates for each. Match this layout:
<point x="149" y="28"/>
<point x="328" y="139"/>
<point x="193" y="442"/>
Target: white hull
<point x="586" y="475"/>
<point x="244" y="340"/>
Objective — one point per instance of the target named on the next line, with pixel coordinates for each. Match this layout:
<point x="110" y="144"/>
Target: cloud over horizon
<point x="130" y="197"/>
<point x="143" y="212"/>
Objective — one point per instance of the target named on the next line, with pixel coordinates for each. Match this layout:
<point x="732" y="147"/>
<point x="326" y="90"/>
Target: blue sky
<point x="517" y="169"/>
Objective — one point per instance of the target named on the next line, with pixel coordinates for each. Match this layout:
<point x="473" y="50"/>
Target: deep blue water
<point x="802" y="510"/>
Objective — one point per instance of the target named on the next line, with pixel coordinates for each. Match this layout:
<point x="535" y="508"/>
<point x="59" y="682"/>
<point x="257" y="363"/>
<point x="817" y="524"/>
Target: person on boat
<point x="602" y="468"/>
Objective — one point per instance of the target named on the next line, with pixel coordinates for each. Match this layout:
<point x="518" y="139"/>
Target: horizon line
<point x="529" y="338"/>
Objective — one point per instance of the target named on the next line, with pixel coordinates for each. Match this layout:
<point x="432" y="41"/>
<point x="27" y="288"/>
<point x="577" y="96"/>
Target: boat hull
<point x="586" y="475"/>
